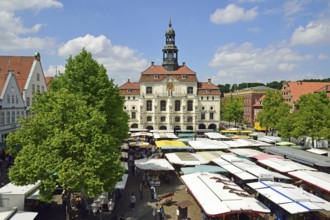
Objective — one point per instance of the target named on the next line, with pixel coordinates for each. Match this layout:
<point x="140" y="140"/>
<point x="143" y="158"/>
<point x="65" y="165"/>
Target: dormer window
<point x="129" y="90"/>
<point x="156" y="76"/>
<point x="208" y="90"/>
<point x="184" y="76"/>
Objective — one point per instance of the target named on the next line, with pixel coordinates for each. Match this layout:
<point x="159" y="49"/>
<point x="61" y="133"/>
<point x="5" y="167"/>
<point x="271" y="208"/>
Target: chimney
<point x="128" y="81"/>
<point x="152" y="63"/>
<point x="183" y="63"/>
<point x="209" y="81"/>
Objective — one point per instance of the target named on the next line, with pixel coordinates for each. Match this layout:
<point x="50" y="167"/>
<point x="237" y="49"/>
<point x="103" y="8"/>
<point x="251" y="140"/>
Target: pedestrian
<point x="122" y="217"/>
<point x="132" y="201"/>
<point x="155" y="211"/>
<point x="162" y="213"/>
<point x="153" y="193"/>
<point x="141" y="186"/>
<point x="144" y="178"/>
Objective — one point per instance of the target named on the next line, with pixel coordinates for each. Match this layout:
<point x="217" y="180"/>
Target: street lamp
<point x="98" y="205"/>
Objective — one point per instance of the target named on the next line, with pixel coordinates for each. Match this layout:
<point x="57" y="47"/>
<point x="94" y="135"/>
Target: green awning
<point x="184" y="135"/>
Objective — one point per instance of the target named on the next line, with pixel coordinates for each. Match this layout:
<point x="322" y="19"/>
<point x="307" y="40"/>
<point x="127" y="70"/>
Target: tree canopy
<point x="73" y="134"/>
<point x="273" y="109"/>
<point x="313" y="116"/>
<point x="233" y="109"/>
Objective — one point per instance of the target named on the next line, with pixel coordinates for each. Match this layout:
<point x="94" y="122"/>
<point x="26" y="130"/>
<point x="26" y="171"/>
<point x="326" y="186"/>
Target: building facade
<point x="292" y="91"/>
<point x="251" y="97"/>
<point x="169" y="96"/>
<point x="20" y="78"/>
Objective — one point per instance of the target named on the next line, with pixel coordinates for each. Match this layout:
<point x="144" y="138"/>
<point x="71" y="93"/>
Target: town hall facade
<point x="170" y="97"/>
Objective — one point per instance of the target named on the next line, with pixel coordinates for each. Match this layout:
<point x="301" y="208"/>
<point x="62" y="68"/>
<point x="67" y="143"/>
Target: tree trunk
<point x="68" y="210"/>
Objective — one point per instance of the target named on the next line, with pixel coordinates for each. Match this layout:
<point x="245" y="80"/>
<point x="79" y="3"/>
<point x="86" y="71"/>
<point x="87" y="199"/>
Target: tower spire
<point x="170" y="51"/>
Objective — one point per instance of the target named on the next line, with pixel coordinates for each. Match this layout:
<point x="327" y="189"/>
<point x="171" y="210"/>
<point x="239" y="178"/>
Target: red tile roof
<point x="207" y="88"/>
<point x="48" y="79"/>
<point x="21" y="65"/>
<point x="161" y="70"/>
<point x="133" y="87"/>
<point x="3" y="78"/>
<point x="259" y="102"/>
<point x="298" y="89"/>
<point x="149" y="74"/>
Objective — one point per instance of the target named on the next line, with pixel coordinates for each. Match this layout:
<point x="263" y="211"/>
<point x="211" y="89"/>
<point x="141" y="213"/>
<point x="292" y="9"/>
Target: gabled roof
<point x="159" y="73"/>
<point x="207" y="88"/>
<point x="48" y="79"/>
<point x="21" y="65"/>
<point x="301" y="88"/>
<point x="3" y="79"/>
<point x="259" y="101"/>
<point x="133" y="87"/>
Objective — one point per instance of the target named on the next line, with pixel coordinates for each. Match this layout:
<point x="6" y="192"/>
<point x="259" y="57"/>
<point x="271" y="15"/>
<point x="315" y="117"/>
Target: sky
<point x="227" y="41"/>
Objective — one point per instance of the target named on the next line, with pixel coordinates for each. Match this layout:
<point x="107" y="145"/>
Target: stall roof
<point x="237" y="166"/>
<point x="291" y="198"/>
<point x="10" y="188"/>
<point x="300" y="156"/>
<point x="316" y="178"/>
<point x="253" y="143"/>
<point x="241" y="174"/>
<point x="24" y="216"/>
<point x="217" y="195"/>
<point x="185" y="159"/>
<point x="170" y="143"/>
<point x="285" y="143"/>
<point x="185" y="135"/>
<point x="208" y="144"/>
<point x="165" y="135"/>
<point x="203" y="168"/>
<point x="153" y="164"/>
<point x="216" y="135"/>
<point x="284" y="165"/>
<point x="269" y="139"/>
<point x="246" y="152"/>
<point x="121" y="184"/>
<point x="318" y="151"/>
<point x="141" y="134"/>
<point x="210" y="155"/>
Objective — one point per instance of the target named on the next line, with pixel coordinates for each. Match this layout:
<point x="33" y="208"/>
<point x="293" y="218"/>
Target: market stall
<point x="218" y="196"/>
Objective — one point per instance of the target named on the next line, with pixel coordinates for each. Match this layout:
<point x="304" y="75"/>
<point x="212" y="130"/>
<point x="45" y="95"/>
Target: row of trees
<point x="226" y="88"/>
<point x="73" y="135"/>
<point x="311" y="117"/>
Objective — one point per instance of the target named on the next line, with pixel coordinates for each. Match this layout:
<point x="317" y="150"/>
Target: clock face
<point x="170" y="86"/>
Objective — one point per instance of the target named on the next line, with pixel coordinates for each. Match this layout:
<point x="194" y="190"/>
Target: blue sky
<point x="231" y="41"/>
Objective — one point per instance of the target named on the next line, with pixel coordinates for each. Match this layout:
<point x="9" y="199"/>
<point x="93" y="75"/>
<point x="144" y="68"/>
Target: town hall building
<point x="170" y="97"/>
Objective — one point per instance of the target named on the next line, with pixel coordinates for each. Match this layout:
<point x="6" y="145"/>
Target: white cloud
<point x="293" y="7"/>
<point x="55" y="70"/>
<point x="12" y="27"/>
<point x="233" y="13"/>
<point x="323" y="56"/>
<point x="121" y="62"/>
<point x="244" y="62"/>
<point x="316" y="32"/>
<point x="15" y="5"/>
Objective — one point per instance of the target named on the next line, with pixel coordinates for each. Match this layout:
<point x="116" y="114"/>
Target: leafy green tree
<point x="275" y="85"/>
<point x="84" y="75"/>
<point x="313" y="116"/>
<point x="74" y="133"/>
<point x="273" y="109"/>
<point x="286" y="126"/>
<point x="64" y="142"/>
<point x="233" y="109"/>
